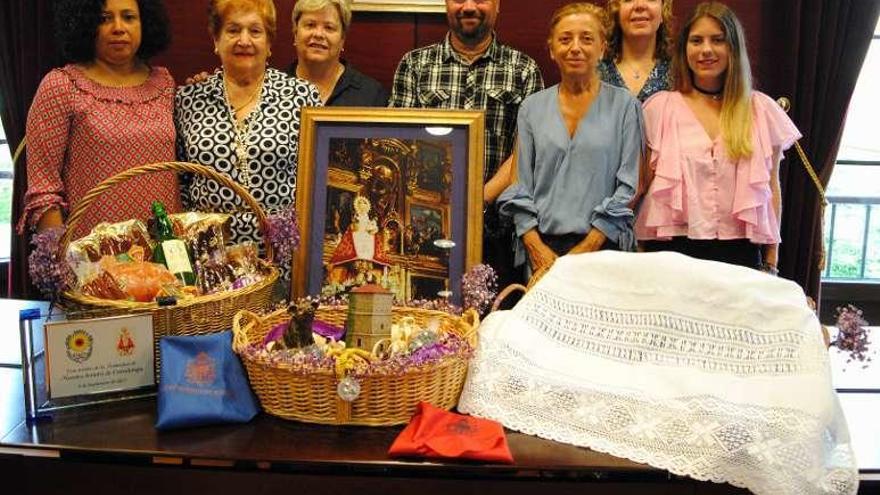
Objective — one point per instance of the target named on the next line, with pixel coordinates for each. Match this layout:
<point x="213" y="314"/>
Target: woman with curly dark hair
<point x="104" y="112"/>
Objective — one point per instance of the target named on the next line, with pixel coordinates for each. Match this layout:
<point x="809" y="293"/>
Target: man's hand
<point x="201" y="76"/>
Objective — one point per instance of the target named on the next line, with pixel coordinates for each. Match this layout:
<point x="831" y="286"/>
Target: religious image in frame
<point x="387" y="200"/>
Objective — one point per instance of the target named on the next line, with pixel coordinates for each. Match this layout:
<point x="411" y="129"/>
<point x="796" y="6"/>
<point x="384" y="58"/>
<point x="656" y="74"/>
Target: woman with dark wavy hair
<point x="638" y="54"/>
<point x="104" y="112"/>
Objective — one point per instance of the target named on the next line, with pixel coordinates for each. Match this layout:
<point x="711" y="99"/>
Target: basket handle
<point x="472" y="318"/>
<point x="80" y="208"/>
<point x="378" y="345"/>
<point x="242" y="322"/>
<point x="510" y="289"/>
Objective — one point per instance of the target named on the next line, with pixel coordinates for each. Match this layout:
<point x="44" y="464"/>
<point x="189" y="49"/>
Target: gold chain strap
<point x="812" y="172"/>
<point x="19" y="149"/>
<point x="785" y="103"/>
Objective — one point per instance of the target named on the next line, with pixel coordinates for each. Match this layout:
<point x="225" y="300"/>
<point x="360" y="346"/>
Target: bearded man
<point x="470" y="69"/>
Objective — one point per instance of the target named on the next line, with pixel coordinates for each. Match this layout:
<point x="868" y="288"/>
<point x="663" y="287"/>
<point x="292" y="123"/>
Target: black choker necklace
<point x="715" y="95"/>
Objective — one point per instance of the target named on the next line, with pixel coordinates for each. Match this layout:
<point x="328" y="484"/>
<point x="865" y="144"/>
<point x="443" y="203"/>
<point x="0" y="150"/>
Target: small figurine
<point x="299" y="331"/>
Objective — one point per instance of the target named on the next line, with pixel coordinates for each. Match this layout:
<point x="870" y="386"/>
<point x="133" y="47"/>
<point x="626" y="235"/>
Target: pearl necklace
<point x="241" y="130"/>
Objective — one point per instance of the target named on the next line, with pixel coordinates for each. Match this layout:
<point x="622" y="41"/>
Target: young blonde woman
<point x="714" y="150"/>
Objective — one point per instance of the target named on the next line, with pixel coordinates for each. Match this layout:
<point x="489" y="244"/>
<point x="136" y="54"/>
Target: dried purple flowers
<point x="852" y="336"/>
<point x="50" y="275"/>
<point x="479" y="286"/>
<point x="283" y="234"/>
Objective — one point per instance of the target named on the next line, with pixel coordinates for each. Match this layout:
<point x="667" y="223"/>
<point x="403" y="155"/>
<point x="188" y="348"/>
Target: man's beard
<point x="471" y="35"/>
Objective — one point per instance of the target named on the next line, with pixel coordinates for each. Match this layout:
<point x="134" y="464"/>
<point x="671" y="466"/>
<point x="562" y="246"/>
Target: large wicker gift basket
<point x="194" y="316"/>
<point x="310" y="395"/>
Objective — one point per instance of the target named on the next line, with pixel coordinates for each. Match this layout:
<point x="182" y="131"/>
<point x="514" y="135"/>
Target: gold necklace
<point x="328" y="91"/>
<point x="241" y="130"/>
<point x="254" y="94"/>
<point x="324" y="93"/>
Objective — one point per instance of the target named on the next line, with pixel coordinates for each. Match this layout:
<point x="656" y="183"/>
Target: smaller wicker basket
<point x="384" y="400"/>
<point x="196" y="316"/>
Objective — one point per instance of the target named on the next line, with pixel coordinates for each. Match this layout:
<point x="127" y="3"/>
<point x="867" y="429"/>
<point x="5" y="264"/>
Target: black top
<point x="353" y="89"/>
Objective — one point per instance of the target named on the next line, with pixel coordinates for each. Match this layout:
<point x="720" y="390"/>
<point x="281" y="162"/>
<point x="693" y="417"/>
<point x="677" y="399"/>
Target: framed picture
<point x="390" y="196"/>
<point x="425" y="224"/>
<point x="399" y="5"/>
<point x="425" y="286"/>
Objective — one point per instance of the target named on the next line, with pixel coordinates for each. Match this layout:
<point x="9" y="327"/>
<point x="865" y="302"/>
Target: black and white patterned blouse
<point x="206" y="135"/>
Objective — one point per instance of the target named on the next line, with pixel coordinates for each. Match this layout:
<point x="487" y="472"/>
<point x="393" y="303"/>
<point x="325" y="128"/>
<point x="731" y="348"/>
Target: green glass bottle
<point x="171" y="251"/>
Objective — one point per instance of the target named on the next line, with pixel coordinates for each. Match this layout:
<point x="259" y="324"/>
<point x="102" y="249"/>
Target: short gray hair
<point x="343" y="7"/>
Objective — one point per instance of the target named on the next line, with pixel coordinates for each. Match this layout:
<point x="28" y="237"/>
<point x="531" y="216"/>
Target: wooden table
<point x="115" y="449"/>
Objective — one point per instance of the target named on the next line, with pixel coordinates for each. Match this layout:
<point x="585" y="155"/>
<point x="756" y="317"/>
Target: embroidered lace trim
<point x="665" y="338"/>
<point x="765" y="449"/>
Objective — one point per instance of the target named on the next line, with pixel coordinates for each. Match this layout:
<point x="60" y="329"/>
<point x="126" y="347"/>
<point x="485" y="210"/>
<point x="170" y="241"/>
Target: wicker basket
<point x="384" y="400"/>
<point x="199" y="315"/>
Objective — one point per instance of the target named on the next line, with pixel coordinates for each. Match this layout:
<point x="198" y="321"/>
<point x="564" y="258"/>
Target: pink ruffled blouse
<point x="698" y="191"/>
<point x="81" y="132"/>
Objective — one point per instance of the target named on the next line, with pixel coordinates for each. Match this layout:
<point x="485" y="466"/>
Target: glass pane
<point x="859" y="140"/>
<point x="826" y="237"/>
<point x="854" y="181"/>
<point x="872" y="257"/>
<point x="5" y="158"/>
<point x="5" y="198"/>
<point x="846" y="249"/>
<point x="5" y="209"/>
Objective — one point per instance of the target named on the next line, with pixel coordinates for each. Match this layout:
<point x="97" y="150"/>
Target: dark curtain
<point x="829" y="40"/>
<point x="26" y="54"/>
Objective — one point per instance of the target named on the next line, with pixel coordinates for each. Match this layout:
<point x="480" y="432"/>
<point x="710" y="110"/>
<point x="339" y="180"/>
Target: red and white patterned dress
<point x="81" y="132"/>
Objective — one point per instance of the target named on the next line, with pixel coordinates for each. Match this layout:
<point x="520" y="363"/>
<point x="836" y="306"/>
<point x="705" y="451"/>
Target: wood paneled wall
<point x="377" y="41"/>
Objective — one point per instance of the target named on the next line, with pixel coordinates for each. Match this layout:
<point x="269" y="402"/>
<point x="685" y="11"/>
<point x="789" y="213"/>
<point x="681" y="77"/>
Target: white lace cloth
<point x="704" y="369"/>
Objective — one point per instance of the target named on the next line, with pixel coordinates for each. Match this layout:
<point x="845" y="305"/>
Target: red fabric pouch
<point x="433" y="432"/>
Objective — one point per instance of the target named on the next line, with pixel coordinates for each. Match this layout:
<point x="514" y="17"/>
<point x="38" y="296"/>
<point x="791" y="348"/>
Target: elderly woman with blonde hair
<point x="580" y="143"/>
<point x="319" y="31"/>
<point x="243" y="121"/>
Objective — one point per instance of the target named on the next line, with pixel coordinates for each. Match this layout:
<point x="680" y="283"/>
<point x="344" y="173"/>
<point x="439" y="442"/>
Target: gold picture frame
<point x="378" y="189"/>
<point x="430" y="6"/>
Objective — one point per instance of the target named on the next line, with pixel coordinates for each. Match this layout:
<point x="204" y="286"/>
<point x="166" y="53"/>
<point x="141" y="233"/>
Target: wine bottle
<point x="171" y="251"/>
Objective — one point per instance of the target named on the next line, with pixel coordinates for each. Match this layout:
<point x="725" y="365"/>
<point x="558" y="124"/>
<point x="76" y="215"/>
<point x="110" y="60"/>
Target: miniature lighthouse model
<point x="369" y="316"/>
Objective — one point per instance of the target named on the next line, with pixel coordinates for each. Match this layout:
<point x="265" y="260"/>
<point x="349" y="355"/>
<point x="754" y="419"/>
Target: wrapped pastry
<point x="140" y="280"/>
<point x="213" y="276"/>
<point x="111" y="239"/>
<point x="244" y="260"/>
<point x="104" y="286"/>
<point x="243" y="257"/>
<point x="125" y="240"/>
<point x="206" y="234"/>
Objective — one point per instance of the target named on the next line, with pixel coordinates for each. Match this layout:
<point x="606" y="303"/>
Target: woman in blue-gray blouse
<point x="580" y="143"/>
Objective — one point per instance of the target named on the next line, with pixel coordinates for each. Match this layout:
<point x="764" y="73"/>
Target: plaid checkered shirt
<point x="436" y="76"/>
